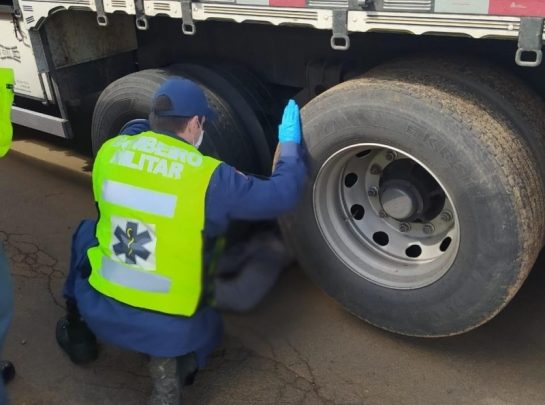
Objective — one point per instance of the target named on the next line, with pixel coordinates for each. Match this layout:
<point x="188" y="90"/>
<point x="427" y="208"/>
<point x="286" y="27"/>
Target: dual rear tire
<point x="424" y="212"/>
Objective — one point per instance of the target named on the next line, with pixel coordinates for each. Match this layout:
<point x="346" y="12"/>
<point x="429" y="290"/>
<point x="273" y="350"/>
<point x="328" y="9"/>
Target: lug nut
<point x="382" y="214"/>
<point x="404" y="227"/>
<point x="391" y="155"/>
<point x="428" y="229"/>
<point x="376" y="169"/>
<point x="446" y="216"/>
<point x="373" y="191"/>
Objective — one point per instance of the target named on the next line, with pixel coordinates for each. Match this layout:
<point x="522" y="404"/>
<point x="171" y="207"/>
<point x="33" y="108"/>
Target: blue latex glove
<point x="290" y="128"/>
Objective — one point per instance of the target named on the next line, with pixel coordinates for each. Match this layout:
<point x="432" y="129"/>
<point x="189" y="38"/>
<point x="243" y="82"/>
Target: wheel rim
<point x="386" y="216"/>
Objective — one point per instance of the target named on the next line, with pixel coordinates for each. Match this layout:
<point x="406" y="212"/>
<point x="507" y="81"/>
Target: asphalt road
<point x="297" y="347"/>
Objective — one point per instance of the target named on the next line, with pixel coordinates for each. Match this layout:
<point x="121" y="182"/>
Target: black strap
<point x="141" y="19"/>
<point x="102" y="18"/>
<point x="188" y="26"/>
<point x="530" y="42"/>
<point x="340" y="40"/>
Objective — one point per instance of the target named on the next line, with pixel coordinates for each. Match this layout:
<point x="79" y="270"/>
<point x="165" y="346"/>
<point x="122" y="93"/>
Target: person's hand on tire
<point x="290" y="128"/>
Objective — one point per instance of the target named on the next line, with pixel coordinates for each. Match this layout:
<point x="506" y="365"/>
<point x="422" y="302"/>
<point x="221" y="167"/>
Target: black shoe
<point x="187" y="368"/>
<point x="77" y="340"/>
<point x="7" y="371"/>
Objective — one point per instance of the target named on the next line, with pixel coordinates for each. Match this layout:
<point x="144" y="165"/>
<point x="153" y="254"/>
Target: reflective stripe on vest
<point x="6" y="99"/>
<point x="151" y="191"/>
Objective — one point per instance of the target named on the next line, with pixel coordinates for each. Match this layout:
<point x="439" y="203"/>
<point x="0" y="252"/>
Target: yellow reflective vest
<point x="150" y="189"/>
<point x="6" y="99"/>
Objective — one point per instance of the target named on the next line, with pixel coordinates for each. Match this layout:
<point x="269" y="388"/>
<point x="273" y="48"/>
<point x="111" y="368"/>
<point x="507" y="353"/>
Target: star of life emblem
<point x="133" y="243"/>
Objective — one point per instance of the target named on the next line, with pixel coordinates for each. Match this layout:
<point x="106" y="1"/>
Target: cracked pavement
<point x="298" y="347"/>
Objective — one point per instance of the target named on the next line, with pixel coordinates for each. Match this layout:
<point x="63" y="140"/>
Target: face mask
<point x="201" y="136"/>
<point x="199" y="141"/>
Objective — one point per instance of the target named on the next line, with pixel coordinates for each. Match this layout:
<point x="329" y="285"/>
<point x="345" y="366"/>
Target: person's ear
<point x="194" y="123"/>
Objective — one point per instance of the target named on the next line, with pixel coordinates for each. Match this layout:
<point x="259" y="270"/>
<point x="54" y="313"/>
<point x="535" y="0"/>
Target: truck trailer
<point x="423" y="122"/>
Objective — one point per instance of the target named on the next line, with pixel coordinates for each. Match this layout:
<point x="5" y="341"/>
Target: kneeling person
<point x="141" y="276"/>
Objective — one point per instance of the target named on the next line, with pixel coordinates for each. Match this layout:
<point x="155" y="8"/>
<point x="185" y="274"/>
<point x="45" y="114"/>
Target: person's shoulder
<point x="227" y="178"/>
<point x="221" y="169"/>
<point x="135" y="126"/>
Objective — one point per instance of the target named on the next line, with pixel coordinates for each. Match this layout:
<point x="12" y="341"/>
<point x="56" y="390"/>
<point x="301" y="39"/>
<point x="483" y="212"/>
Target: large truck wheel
<point x="422" y="213"/>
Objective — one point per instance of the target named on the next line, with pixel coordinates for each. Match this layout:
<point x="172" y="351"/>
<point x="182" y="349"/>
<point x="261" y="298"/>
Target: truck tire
<point x="130" y="97"/>
<point x="255" y="90"/>
<point x="422" y="213"/>
<point x="241" y="106"/>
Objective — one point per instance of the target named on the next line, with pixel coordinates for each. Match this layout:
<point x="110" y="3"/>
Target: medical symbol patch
<point x="134" y="242"/>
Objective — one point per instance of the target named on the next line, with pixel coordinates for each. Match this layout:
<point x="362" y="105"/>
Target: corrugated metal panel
<point x="261" y="12"/>
<point x="79" y="2"/>
<point x="425" y="23"/>
<point x="328" y="3"/>
<point x="407" y="5"/>
<point x="161" y="6"/>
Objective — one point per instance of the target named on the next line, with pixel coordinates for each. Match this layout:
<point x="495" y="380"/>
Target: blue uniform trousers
<point x="152" y="333"/>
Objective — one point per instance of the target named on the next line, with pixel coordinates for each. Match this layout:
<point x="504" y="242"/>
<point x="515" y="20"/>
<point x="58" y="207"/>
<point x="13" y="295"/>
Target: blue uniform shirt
<point x="230" y="195"/>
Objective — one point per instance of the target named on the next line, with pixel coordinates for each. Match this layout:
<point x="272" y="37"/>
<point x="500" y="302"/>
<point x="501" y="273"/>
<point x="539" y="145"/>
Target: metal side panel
<point x="35" y="12"/>
<point x="41" y="122"/>
<point x="75" y="38"/>
<point x="16" y="52"/>
<point x="466" y="23"/>
<point x="446" y="24"/>
<point x="126" y="6"/>
<point x="317" y="18"/>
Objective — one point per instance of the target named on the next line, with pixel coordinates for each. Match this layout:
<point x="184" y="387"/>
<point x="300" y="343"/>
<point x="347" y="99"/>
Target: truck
<point x="423" y="125"/>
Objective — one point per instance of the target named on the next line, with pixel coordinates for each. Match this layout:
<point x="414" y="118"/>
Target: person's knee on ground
<point x="169" y="375"/>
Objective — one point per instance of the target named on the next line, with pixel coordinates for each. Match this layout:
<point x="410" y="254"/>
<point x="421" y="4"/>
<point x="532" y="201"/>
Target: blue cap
<point x="178" y="97"/>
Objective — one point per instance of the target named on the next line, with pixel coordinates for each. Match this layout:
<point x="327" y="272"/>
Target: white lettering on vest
<point x="156" y="157"/>
<point x="175" y="170"/>
<point x="149" y="163"/>
<point x="151" y="160"/>
<point x="161" y="167"/>
<point x="145" y="144"/>
<point x="194" y="159"/>
<point x="124" y="158"/>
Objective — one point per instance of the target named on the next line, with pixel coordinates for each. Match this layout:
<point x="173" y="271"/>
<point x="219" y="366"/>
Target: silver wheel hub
<point x="397" y="203"/>
<point x="386" y="216"/>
